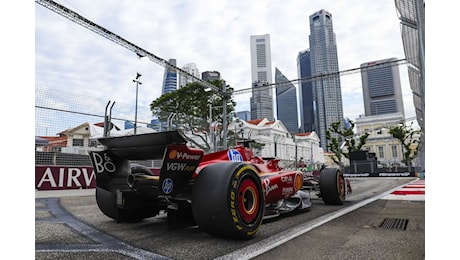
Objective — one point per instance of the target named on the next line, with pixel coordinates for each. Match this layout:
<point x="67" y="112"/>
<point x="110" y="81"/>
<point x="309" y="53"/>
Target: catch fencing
<point x="57" y="112"/>
<point x="62" y="166"/>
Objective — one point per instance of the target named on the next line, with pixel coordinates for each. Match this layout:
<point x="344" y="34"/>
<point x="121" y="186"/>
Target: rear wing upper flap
<point x="142" y="146"/>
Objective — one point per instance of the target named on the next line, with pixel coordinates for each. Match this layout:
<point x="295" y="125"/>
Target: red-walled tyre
<point x="332" y="186"/>
<point x="228" y="200"/>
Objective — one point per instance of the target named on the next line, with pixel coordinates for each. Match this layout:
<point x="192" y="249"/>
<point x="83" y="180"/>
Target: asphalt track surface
<point x="68" y="225"/>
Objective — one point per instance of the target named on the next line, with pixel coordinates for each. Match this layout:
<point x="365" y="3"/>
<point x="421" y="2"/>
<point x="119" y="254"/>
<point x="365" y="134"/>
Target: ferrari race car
<point x="226" y="193"/>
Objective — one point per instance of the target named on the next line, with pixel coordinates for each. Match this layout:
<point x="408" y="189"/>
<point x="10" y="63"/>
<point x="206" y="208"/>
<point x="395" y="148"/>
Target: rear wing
<point x="142" y="146"/>
<point x="179" y="161"/>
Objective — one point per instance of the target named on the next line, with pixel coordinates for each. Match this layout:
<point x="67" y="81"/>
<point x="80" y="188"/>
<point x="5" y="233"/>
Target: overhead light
<point x="142" y="57"/>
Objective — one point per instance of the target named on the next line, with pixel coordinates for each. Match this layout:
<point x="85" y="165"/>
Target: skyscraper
<point x="327" y="93"/>
<point x="170" y="78"/>
<point x="210" y="75"/>
<point x="244" y="115"/>
<point x="381" y="88"/>
<point x="261" y="74"/>
<point x="192" y="69"/>
<point x="286" y="102"/>
<point x="307" y="116"/>
<point x="169" y="85"/>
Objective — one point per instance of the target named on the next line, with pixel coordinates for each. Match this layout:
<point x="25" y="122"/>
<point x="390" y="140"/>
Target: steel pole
<point x="224" y="112"/>
<point x="135" y="113"/>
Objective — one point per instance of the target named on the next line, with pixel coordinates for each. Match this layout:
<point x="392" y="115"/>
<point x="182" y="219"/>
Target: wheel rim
<point x="248" y="201"/>
<point x="341" y="183"/>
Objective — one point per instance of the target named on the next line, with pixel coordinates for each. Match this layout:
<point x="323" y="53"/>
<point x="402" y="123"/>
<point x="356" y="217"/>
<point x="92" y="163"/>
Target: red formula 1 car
<point x="226" y="193"/>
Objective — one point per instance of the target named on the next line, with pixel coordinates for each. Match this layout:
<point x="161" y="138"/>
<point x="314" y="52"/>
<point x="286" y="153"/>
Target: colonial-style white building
<point x="278" y="142"/>
<point x="389" y="151"/>
<point x="272" y="140"/>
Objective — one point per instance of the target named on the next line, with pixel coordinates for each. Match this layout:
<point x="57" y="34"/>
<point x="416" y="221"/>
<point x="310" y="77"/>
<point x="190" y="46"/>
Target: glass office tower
<point x="286" y="102"/>
<point x="327" y="93"/>
<point x="261" y="73"/>
<point x="382" y="92"/>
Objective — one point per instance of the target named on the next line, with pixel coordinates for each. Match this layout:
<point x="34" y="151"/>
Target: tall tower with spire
<point x="327" y="92"/>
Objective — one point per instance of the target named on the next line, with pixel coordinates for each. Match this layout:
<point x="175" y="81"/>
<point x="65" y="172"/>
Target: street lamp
<point x="136" y="80"/>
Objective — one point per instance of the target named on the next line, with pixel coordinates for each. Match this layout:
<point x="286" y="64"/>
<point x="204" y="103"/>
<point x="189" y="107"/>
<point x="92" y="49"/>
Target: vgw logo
<point x="234" y="156"/>
<point x="175" y="166"/>
<point x="179" y="167"/>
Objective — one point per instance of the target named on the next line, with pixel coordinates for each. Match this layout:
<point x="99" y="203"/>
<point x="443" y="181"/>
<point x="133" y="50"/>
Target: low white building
<point x="272" y="138"/>
<point x="278" y="142"/>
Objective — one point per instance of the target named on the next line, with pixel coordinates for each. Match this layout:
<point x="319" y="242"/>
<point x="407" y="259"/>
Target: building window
<point x="93" y="143"/>
<point x="77" y="142"/>
<point x="394" y="151"/>
<point x="381" y="154"/>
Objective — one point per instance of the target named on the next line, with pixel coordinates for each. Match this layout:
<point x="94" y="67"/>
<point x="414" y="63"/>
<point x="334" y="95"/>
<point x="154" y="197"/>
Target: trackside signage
<point x="67" y="177"/>
<point x="380" y="174"/>
<point x="64" y="177"/>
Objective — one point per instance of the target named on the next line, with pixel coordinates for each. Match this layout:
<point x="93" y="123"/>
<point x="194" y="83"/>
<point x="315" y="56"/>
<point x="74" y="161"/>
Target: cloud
<point x="212" y="34"/>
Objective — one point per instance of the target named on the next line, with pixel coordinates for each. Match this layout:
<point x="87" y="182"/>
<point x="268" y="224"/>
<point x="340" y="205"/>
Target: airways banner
<point x="67" y="177"/>
<point x="64" y="177"/>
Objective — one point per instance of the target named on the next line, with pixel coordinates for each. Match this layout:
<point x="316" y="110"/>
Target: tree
<point x="190" y="104"/>
<point x="338" y="135"/>
<point x="407" y="136"/>
<point x="256" y="147"/>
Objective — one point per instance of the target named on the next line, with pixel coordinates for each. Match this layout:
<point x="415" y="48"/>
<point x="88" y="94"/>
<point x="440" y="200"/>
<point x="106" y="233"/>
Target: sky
<point x="215" y="35"/>
<point x="43" y="49"/>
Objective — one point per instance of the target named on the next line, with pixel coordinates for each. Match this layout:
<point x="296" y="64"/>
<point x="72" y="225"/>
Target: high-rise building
<point x="261" y="73"/>
<point x="210" y="75"/>
<point x="170" y="78"/>
<point x="155" y="124"/>
<point x="244" y="115"/>
<point x="169" y="85"/>
<point x="382" y="92"/>
<point x="286" y="102"/>
<point x="327" y="93"/>
<point x="307" y="115"/>
<point x="192" y="69"/>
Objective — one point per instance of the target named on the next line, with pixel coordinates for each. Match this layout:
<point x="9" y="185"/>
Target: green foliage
<point x="190" y="104"/>
<point x="406" y="136"/>
<point x="256" y="147"/>
<point x="337" y="134"/>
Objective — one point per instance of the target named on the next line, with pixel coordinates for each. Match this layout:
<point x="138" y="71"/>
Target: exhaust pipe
<point x="138" y="180"/>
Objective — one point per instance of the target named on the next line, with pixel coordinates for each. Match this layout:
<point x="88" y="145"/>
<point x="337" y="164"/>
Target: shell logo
<point x="172" y="154"/>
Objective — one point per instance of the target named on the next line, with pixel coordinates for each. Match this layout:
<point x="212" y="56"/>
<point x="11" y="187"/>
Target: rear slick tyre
<point x="332" y="186"/>
<point x="228" y="200"/>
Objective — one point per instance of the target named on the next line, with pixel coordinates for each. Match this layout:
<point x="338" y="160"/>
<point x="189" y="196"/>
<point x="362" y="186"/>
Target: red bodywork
<point x="227" y="193"/>
<point x="277" y="183"/>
